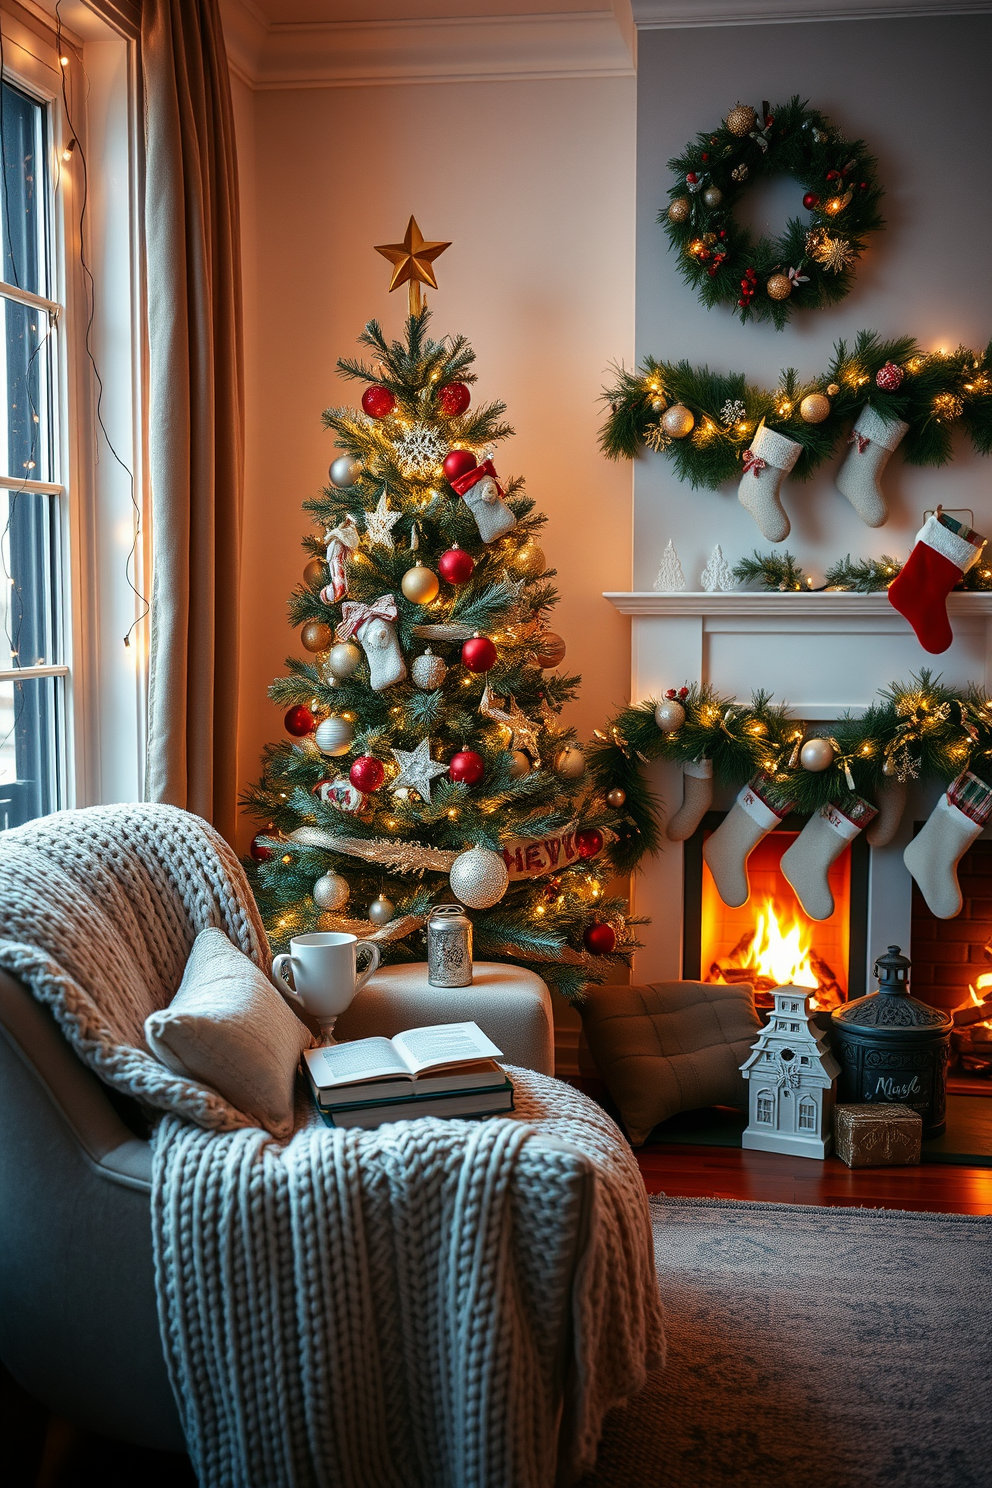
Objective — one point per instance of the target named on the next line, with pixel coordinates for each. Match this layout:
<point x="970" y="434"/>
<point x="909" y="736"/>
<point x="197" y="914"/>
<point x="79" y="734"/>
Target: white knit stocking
<point x="726" y="853"/>
<point x="766" y="464"/>
<point x="872" y="442"/>
<point x="934" y="853"/>
<point x="822" y="839"/>
<point x="697" y="798"/>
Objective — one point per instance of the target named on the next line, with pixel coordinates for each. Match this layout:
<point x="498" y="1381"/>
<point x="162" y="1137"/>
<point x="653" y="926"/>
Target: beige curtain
<point x="196" y="408"/>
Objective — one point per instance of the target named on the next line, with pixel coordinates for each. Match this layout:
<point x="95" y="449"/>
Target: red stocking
<point x="944" y="550"/>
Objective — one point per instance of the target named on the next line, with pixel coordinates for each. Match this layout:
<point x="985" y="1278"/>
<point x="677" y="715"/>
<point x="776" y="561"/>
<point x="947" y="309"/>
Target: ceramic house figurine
<point x="790" y="1074"/>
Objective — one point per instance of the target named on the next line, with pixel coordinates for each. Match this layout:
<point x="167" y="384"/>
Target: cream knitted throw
<point x="437" y="1303"/>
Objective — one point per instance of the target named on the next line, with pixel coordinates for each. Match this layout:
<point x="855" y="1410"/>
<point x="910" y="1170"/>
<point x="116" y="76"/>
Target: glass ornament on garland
<point x="404" y="796"/>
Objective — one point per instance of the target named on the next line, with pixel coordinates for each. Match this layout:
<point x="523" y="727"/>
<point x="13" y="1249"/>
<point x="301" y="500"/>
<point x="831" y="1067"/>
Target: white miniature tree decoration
<point x="790" y="1074"/>
<point x="717" y="574"/>
<point x="671" y="579"/>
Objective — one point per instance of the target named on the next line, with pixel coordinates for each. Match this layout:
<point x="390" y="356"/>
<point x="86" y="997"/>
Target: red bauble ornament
<point x="260" y="850"/>
<point x="889" y="377"/>
<point x="458" y="462"/>
<point x="589" y="842"/>
<point x="453" y="399"/>
<point x="479" y="654"/>
<point x="299" y="721"/>
<point x="600" y="939"/>
<point x="378" y="401"/>
<point x="811" y="200"/>
<point x="467" y="766"/>
<point x="367" y="774"/>
<point x="456" y="565"/>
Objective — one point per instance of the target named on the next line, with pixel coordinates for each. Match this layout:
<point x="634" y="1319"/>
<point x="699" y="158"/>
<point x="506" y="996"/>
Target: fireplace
<point x="770" y="941"/>
<point x="952" y="963"/>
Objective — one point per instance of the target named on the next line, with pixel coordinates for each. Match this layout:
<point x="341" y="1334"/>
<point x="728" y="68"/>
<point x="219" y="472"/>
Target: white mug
<point x="325" y="974"/>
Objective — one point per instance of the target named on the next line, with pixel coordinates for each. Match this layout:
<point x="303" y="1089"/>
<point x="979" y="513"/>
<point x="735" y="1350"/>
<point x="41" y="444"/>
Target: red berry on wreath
<point x="723" y="232"/>
<point x="260" y="850"/>
<point x="367" y="774"/>
<point x="683" y="692"/>
<point x="378" y="401"/>
<point x="600" y="940"/>
<point x="299" y="721"/>
<point x="811" y="200"/>
<point x="833" y="175"/>
<point x="453" y="399"/>
<point x="692" y="178"/>
<point x="589" y="842"/>
<point x="889" y="377"/>
<point x="456" y="566"/>
<point x="479" y="654"/>
<point x="467" y="767"/>
<point x="705" y="156"/>
<point x="458" y="462"/>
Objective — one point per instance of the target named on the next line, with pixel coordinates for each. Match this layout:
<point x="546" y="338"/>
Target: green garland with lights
<point x="811" y="265"/>
<point x="780" y="572"/>
<point x="915" y="731"/>
<point x="937" y="392"/>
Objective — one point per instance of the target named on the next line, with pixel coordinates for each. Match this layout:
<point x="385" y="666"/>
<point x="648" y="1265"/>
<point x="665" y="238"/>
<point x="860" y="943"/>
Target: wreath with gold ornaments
<point x="811" y="265"/>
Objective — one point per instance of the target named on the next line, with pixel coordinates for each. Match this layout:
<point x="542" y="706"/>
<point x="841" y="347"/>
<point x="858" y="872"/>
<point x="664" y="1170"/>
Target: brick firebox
<point x="948" y="954"/>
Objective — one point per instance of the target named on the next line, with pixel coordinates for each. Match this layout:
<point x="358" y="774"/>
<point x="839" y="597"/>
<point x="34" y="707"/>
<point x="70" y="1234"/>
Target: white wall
<point x="533" y="182"/>
<point x="916" y="91"/>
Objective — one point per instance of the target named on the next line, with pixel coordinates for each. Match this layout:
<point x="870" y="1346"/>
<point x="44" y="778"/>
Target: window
<point x="765" y="1107"/>
<point x="807" y="1115"/>
<point x="804" y="1059"/>
<point x="33" y="671"/>
<point x="793" y="1027"/>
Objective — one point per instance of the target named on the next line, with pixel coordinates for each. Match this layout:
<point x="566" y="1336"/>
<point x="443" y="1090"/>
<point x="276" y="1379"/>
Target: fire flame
<point x="983" y="985"/>
<point x="781" y="952"/>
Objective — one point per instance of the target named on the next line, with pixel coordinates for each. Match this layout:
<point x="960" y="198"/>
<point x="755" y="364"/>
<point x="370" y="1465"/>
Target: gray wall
<point x="917" y="90"/>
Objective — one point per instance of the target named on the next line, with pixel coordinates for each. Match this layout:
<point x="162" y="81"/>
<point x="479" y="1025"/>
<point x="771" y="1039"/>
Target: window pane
<point x="26" y="374"/>
<point x="31" y="715"/>
<point x="28" y="632"/>
<point x="22" y="201"/>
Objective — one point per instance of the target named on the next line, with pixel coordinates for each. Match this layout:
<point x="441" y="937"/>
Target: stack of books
<point x="446" y="1070"/>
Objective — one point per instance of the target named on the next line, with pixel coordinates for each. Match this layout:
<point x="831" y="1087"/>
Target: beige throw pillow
<point x="670" y="1047"/>
<point x="228" y="1027"/>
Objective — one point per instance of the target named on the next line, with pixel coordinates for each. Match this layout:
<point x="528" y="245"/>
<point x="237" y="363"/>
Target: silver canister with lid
<point x="449" y="947"/>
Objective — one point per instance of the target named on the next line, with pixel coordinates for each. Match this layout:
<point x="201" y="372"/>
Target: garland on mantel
<point x="706" y="420"/>
<point x="915" y="732"/>
<point x="781" y="573"/>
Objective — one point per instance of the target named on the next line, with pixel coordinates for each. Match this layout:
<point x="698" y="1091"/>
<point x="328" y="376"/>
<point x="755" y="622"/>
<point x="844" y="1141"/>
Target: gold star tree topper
<point x="412" y="260"/>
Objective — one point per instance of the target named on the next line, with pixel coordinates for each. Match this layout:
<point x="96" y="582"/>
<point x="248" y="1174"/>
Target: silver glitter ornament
<point x="331" y="891"/>
<point x="428" y="671"/>
<point x="479" y="878"/>
<point x="334" y="735"/>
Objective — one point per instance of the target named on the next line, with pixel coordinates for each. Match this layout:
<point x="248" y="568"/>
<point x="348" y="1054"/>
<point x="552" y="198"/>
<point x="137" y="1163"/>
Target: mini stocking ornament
<point x="891" y="805"/>
<point x="944" y="550"/>
<point x="766" y="464"/>
<point x="697" y="798"/>
<point x="372" y="624"/>
<point x="751" y="818"/>
<point x="484" y="498"/>
<point x="872" y="441"/>
<point x="934" y="853"/>
<point x="822" y="839"/>
<point x="341" y="543"/>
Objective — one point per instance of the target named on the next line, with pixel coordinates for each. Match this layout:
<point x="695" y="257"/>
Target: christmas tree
<point x="426" y="759"/>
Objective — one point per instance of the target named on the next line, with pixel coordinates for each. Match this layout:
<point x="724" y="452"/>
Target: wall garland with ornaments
<point x="718" y="427"/>
<point x="916" y="731"/>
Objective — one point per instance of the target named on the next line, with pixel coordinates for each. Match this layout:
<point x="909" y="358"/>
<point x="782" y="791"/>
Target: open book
<point x="421" y="1061"/>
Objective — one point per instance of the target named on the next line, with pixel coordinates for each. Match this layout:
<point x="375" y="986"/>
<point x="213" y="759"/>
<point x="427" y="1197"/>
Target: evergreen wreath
<point x="812" y="264"/>
<point x="916" y="731"/>
<point x="718" y="412"/>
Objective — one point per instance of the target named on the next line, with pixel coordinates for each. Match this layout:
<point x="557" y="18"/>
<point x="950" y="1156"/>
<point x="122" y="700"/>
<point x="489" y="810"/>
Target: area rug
<point x="966" y="1141"/>
<point x="812" y="1348"/>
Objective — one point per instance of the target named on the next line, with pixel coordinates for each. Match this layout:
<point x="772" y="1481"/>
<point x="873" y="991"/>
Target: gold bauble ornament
<point x="519" y="764"/>
<point x="816" y="755"/>
<point x="888" y="768"/>
<point x="679" y="209"/>
<point x="779" y="287"/>
<point x="741" y="119"/>
<point x="833" y="389"/>
<point x="712" y="196"/>
<point x="549" y="650"/>
<point x="669" y="715"/>
<point x="381" y="910"/>
<point x="420" y="584"/>
<point x="570" y="764"/>
<point x="814" y="408"/>
<point x="616" y="797"/>
<point x="530" y="560"/>
<point x="313" y="574"/>
<point x="316" y="636"/>
<point x="677" y="421"/>
<point x="343" y="659"/>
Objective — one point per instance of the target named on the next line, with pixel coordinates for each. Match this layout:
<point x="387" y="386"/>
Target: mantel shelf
<point x="740" y="603"/>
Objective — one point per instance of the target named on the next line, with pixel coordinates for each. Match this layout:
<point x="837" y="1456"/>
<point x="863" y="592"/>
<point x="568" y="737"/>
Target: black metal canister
<point x="892" y="1048"/>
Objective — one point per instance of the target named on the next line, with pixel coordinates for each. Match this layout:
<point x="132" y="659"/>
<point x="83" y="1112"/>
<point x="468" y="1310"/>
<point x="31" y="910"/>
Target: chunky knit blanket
<point x="436" y="1303"/>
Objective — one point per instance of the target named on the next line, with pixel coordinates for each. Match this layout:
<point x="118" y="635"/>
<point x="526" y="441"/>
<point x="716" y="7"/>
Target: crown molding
<point x="655" y="15"/>
<point x="354" y="54"/>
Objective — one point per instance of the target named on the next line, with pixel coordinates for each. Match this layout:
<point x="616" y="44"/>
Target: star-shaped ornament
<point x="524" y="733"/>
<point x="412" y="259"/>
<point x="379" y="524"/>
<point x="417" y="769"/>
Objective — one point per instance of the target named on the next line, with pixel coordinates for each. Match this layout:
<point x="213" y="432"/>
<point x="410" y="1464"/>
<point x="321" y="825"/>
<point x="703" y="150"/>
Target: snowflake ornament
<point x="732" y="411"/>
<point x="420" y="451"/>
<point x="832" y="254"/>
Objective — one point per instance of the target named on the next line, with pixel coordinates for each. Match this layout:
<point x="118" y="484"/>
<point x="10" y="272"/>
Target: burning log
<point x="973" y="1012"/>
